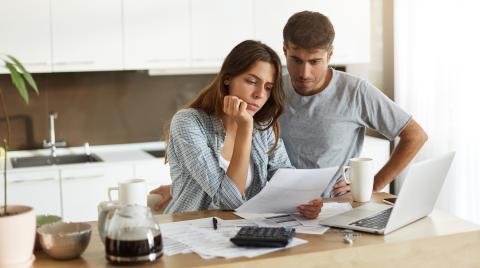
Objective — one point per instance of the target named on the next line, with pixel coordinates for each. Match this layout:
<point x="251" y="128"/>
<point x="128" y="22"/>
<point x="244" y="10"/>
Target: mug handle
<point x="344" y="174"/>
<point x="110" y="189"/>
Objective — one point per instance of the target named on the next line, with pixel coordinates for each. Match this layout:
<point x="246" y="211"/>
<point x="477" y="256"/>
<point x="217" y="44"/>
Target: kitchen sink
<point x="156" y="153"/>
<point x="35" y="161"/>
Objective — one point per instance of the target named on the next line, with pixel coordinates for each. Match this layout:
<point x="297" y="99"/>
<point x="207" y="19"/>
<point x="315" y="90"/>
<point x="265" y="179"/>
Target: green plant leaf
<point x="25" y="73"/>
<point x="17" y="81"/>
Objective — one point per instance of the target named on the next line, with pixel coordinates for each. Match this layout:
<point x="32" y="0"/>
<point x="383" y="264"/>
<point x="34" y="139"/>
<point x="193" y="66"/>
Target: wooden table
<point x="435" y="241"/>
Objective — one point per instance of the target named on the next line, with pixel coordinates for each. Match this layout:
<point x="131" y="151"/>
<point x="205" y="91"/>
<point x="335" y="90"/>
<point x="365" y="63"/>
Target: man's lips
<point x="304" y="81"/>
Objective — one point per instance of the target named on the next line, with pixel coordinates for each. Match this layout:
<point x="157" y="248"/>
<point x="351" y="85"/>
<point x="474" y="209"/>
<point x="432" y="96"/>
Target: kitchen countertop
<point x="130" y="152"/>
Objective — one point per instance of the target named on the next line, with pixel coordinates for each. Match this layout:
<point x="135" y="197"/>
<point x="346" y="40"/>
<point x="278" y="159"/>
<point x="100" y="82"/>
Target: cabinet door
<point x="217" y="26"/>
<point x="155" y="172"/>
<point x="270" y="16"/>
<point x="39" y="189"/>
<point x="84" y="188"/>
<point x="156" y="33"/>
<point x="25" y="33"/>
<point x="350" y="18"/>
<point x="87" y="35"/>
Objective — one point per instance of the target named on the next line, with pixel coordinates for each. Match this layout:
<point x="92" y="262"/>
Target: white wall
<point x="380" y="69"/>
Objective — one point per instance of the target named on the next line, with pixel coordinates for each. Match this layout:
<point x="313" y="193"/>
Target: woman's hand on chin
<point x="236" y="108"/>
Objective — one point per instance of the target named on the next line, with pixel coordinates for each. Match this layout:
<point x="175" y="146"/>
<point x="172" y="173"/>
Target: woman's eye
<point x="252" y="82"/>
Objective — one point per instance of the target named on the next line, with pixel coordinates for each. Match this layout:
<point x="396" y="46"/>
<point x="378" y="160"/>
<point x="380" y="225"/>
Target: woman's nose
<point x="260" y="92"/>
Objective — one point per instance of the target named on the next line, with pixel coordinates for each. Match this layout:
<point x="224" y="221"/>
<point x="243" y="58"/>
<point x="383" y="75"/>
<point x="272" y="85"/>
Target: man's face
<point x="308" y="68"/>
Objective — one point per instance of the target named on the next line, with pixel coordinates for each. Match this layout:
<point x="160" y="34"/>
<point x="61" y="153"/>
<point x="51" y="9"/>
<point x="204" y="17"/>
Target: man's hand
<point x="340" y="188"/>
<point x="164" y="191"/>
<point x="312" y="209"/>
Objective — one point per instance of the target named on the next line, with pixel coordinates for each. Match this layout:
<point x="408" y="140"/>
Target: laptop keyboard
<point x="378" y="221"/>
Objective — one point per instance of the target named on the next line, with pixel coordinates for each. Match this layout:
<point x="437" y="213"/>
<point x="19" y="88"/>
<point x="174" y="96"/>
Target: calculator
<point x="252" y="236"/>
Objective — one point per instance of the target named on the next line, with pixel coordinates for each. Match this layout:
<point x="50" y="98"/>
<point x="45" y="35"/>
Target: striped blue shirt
<point x="198" y="181"/>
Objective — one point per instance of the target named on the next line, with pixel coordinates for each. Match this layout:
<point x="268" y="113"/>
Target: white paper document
<point x="296" y="220"/>
<point x="199" y="236"/>
<point x="288" y="189"/>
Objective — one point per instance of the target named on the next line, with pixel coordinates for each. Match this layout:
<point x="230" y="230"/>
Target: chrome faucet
<point x="53" y="144"/>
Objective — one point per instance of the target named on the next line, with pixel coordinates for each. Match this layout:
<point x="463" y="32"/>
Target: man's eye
<point x="314" y="62"/>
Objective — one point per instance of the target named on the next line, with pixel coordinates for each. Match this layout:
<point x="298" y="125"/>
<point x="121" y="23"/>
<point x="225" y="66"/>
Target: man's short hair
<point x="309" y="30"/>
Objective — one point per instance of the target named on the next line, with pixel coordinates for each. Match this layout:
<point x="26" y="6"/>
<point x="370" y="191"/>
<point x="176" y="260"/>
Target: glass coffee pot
<point x="132" y="235"/>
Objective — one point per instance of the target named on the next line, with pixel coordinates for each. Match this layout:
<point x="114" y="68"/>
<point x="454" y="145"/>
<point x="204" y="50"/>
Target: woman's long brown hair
<point x="239" y="60"/>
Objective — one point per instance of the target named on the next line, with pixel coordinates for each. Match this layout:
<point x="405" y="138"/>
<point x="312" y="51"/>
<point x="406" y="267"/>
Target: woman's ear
<point x="227" y="80"/>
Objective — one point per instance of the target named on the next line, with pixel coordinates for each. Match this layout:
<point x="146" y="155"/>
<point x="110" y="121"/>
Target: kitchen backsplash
<point x="98" y="107"/>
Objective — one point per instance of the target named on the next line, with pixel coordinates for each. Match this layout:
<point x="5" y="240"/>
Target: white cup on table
<point x="130" y="192"/>
<point x="360" y="178"/>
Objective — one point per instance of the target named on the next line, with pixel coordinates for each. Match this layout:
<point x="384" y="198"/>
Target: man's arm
<point x="412" y="139"/>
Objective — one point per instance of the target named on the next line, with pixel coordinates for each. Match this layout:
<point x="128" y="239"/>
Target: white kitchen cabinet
<point x="156" y="34"/>
<point x="155" y="172"/>
<point x="185" y="36"/>
<point x="217" y="26"/>
<point x="40" y="190"/>
<point x="350" y="18"/>
<point x="86" y="35"/>
<point x="25" y="33"/>
<point x="83" y="188"/>
<point x="269" y="22"/>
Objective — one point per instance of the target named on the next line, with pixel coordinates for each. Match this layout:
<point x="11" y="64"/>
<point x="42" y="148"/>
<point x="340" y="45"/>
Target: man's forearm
<point x="411" y="141"/>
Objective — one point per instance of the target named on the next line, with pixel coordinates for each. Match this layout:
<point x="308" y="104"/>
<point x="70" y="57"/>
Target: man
<point x="327" y="111"/>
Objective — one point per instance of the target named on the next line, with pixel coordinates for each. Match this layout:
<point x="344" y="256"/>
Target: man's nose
<point x="304" y="71"/>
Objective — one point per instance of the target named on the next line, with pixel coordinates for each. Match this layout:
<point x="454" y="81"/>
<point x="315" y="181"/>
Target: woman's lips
<point x="252" y="107"/>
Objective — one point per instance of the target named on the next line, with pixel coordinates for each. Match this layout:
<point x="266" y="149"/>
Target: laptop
<point x="416" y="200"/>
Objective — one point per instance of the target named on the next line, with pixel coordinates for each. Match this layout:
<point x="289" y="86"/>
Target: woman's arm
<point x="189" y="151"/>
<point x="236" y="112"/>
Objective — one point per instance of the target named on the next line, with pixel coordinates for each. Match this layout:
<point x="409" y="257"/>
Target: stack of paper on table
<point x="301" y="224"/>
<point x="287" y="189"/>
<point x="199" y="236"/>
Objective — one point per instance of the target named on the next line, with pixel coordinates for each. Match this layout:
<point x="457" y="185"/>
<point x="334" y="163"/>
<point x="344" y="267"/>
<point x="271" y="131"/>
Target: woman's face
<point x="253" y="86"/>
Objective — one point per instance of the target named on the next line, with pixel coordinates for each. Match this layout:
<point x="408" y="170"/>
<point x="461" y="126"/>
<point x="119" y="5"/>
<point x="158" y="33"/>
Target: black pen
<point x="215" y="222"/>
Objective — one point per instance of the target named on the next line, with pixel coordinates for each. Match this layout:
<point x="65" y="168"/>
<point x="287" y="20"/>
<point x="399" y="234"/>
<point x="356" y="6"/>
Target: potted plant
<point x="17" y="223"/>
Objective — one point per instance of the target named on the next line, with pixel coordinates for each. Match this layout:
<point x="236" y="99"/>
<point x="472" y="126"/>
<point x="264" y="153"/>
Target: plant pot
<point x="17" y="237"/>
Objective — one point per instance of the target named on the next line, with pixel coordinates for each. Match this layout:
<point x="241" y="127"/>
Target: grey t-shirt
<point x="328" y="128"/>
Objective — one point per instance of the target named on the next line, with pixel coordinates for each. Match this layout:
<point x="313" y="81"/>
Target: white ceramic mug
<point x="360" y="178"/>
<point x="130" y="192"/>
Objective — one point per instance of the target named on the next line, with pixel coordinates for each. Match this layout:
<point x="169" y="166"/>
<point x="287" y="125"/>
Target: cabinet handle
<point x="85" y="62"/>
<point x="36" y="180"/>
<point x="165" y="60"/>
<point x="89" y="177"/>
<point x="35" y="63"/>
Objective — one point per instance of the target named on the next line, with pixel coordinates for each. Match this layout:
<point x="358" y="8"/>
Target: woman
<point x="224" y="146"/>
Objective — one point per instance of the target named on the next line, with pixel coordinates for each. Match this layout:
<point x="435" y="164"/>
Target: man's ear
<point x="329" y="54"/>
<point x="285" y="49"/>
